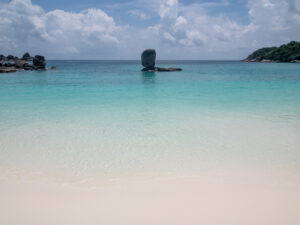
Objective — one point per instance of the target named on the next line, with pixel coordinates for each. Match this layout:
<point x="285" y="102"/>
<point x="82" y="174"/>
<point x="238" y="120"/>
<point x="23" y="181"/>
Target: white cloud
<point x="137" y="13"/>
<point x="29" y="27"/>
<point x="273" y="22"/>
<point x="183" y="31"/>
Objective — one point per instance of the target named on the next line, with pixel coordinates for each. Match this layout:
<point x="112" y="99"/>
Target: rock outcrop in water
<point x="39" y="62"/>
<point x="148" y="58"/>
<point x="12" y="63"/>
<point x="148" y="61"/>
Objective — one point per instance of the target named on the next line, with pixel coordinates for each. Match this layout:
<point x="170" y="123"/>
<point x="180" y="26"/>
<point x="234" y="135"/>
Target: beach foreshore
<point x="235" y="196"/>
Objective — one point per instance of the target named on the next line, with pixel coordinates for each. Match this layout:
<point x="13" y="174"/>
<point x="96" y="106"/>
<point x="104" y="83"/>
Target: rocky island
<point x="148" y="61"/>
<point x="285" y="53"/>
<point x="12" y="63"/>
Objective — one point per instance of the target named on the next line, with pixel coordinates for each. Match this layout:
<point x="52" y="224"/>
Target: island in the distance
<point x="12" y="63"/>
<point x="285" y="53"/>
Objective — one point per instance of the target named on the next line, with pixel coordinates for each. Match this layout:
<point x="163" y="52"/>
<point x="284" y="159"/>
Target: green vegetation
<point x="285" y="53"/>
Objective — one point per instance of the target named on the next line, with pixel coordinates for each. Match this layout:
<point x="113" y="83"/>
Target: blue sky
<point x="178" y="29"/>
<point x="235" y="9"/>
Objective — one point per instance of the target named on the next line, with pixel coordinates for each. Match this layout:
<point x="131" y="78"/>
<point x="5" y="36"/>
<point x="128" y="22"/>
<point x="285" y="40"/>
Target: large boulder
<point x="148" y="58"/>
<point x="26" y="56"/>
<point x="39" y="62"/>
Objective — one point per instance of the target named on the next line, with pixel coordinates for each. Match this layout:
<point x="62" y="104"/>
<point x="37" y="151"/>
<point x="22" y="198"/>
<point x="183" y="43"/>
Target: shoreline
<point x="268" y="61"/>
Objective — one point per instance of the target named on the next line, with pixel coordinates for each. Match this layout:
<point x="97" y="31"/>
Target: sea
<point x="106" y="119"/>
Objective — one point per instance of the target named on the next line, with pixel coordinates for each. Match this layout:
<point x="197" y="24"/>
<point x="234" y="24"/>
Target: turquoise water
<point x="102" y="117"/>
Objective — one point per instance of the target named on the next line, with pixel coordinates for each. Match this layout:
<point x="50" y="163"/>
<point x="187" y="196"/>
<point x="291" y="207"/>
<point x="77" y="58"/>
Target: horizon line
<point x="140" y="59"/>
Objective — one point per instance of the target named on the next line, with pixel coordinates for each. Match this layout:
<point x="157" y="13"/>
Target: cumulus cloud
<point x="273" y="22"/>
<point x="276" y="17"/>
<point x="191" y="26"/>
<point x="183" y="31"/>
<point x="139" y="14"/>
<point x="26" y="26"/>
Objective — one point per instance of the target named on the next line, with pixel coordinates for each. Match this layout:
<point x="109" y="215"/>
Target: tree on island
<point x="26" y="56"/>
<point x="10" y="57"/>
<point x="285" y="53"/>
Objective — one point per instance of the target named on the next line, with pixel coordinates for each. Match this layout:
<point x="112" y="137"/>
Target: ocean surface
<point x="107" y="118"/>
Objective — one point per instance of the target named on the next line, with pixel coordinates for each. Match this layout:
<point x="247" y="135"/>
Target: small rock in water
<point x="53" y="67"/>
<point x="148" y="58"/>
<point x="39" y="62"/>
<point x="171" y="69"/>
<point x="28" y="67"/>
<point x="148" y="61"/>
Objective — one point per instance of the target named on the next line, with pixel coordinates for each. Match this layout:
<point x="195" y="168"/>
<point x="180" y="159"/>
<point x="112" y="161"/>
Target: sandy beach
<point x="260" y="196"/>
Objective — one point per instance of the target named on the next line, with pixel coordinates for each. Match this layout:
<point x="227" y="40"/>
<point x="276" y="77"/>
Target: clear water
<point x="104" y="117"/>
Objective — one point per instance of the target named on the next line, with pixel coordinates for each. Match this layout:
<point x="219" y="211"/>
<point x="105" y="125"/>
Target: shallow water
<point x="102" y="118"/>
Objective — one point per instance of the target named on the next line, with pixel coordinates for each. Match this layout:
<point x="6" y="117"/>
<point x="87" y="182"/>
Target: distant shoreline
<point x="285" y="53"/>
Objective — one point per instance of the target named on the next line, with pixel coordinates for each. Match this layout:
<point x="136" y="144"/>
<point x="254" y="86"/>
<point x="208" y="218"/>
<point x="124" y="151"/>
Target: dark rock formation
<point x="148" y="58"/>
<point x="26" y="56"/>
<point x="39" y="62"/>
<point x="29" y="67"/>
<point x="171" y="69"/>
<point x="148" y="61"/>
<point x="14" y="63"/>
<point x="161" y="69"/>
<point x="8" y="64"/>
<point x="20" y="63"/>
<point x="151" y="69"/>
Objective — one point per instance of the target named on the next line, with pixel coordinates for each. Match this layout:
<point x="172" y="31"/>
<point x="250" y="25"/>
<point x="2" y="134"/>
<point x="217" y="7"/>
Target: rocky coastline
<point x="148" y="58"/>
<point x="285" y="53"/>
<point x="268" y="61"/>
<point x="10" y="63"/>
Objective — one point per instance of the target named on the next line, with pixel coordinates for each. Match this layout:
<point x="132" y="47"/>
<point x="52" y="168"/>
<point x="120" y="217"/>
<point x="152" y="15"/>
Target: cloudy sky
<point x="177" y="29"/>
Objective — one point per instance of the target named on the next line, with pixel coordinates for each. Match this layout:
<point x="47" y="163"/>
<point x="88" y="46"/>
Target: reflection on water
<point x="148" y="77"/>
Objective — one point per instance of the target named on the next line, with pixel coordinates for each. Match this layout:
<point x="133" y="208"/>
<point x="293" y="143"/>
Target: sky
<point x="120" y="29"/>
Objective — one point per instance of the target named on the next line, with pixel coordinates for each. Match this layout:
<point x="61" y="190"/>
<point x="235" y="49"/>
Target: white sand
<point x="232" y="197"/>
